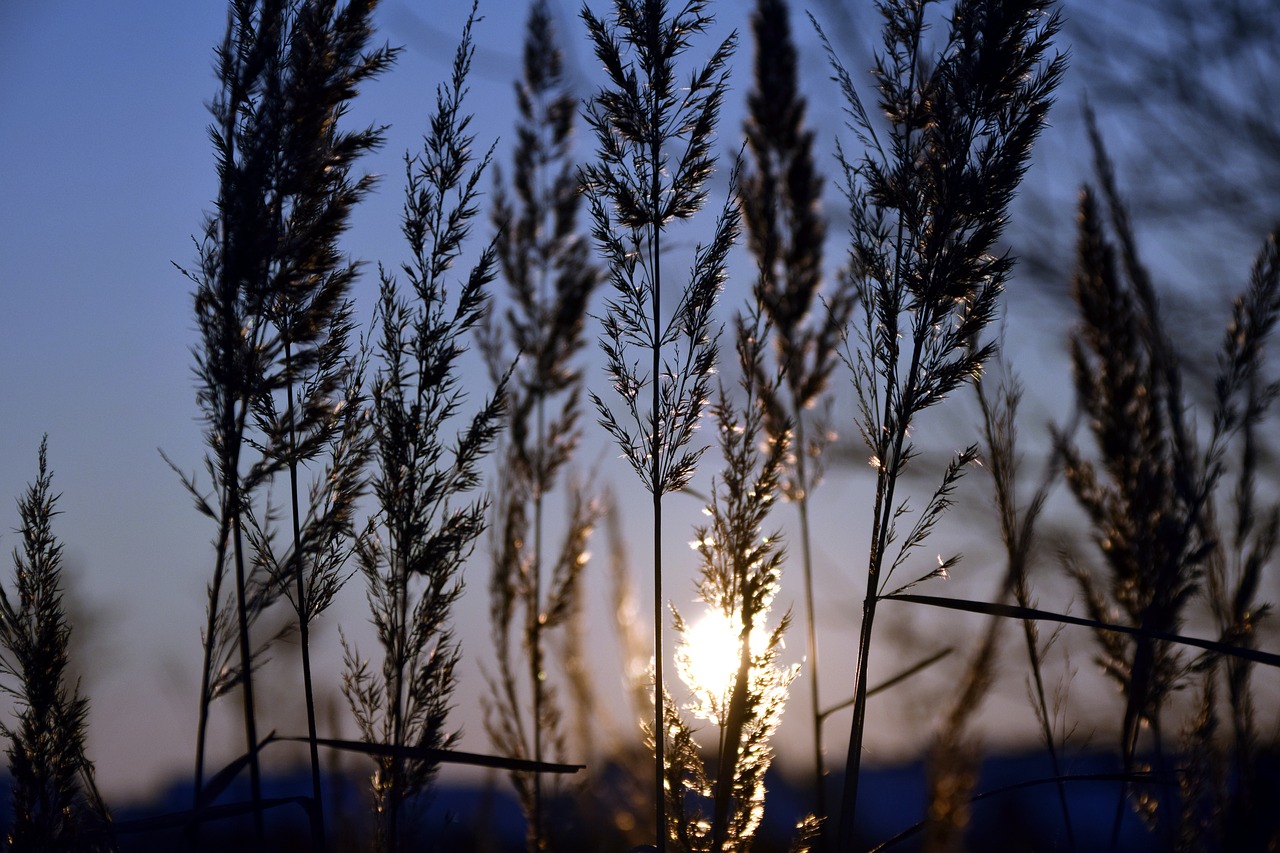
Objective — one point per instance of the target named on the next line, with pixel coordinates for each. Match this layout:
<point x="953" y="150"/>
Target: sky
<point x="103" y="121"/>
<point x="108" y="173"/>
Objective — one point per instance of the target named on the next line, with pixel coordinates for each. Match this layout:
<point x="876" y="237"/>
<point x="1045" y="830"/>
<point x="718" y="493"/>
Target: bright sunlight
<point x="708" y="658"/>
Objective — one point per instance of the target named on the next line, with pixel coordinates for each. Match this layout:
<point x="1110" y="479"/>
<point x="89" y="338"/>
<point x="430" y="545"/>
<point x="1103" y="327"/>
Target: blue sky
<point x="107" y="175"/>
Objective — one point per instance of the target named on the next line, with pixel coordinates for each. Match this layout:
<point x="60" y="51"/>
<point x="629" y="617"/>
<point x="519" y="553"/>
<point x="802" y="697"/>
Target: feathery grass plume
<point x="1152" y="496"/>
<point x="927" y="206"/>
<point x="56" y="805"/>
<point x="1144" y="518"/>
<point x="1151" y="499"/>
<point x="270" y="302"/>
<point x="1236" y="566"/>
<point x="781" y="198"/>
<point x="729" y="659"/>
<point x="1146" y="496"/>
<point x="328" y="58"/>
<point x="544" y="261"/>
<point x="424" y="528"/>
<point x="654" y="147"/>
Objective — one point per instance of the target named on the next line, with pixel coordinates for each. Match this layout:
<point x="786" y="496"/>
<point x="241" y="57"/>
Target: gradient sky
<point x="107" y="175"/>
<point x="103" y="125"/>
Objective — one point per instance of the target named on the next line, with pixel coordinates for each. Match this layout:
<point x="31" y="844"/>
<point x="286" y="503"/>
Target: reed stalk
<point x="926" y="207"/>
<point x="424" y="526"/>
<point x="544" y="261"/>
<point x="781" y="195"/>
<point x="654" y="158"/>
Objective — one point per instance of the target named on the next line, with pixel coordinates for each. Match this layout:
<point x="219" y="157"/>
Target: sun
<point x="709" y="655"/>
<point x="714" y="652"/>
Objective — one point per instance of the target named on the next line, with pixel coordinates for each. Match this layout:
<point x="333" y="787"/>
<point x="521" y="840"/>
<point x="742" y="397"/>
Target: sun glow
<point x="709" y="656"/>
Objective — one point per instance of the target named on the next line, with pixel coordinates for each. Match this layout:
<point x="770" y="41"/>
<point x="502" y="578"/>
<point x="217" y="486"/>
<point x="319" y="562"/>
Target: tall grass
<point x="1182" y="525"/>
<point x="740" y="571"/>
<point x="425" y="525"/>
<point x="927" y="205"/>
<point x="56" y="805"/>
<point x="1151" y="495"/>
<point x="270" y="304"/>
<point x="536" y="583"/>
<point x="781" y="199"/>
<point x="654" y="141"/>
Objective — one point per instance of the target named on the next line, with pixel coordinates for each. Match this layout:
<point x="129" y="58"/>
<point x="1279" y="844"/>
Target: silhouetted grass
<point x="425" y="526"/>
<point x="271" y="291"/>
<point x="1182" y="527"/>
<point x="654" y="138"/>
<point x="927" y="206"/>
<point x="545" y="263"/>
<point x="56" y="805"/>
<point x="1151" y="496"/>
<point x="740" y="574"/>
<point x="781" y="207"/>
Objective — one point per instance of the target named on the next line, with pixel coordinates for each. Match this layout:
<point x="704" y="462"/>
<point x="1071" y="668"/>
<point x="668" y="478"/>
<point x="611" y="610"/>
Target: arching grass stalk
<point x="785" y="228"/>
<point x="544" y="261"/>
<point x="926" y="207"/>
<point x="954" y="757"/>
<point x="1018" y="531"/>
<point x="654" y="135"/>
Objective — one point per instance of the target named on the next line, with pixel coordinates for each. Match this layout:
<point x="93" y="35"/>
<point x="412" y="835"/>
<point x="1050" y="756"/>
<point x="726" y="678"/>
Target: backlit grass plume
<point x="424" y="527"/>
<point x="654" y="133"/>
<point x="56" y="805"/>
<point x="1247" y="549"/>
<point x="271" y="291"/>
<point x="729" y="656"/>
<point x="535" y="588"/>
<point x="1150" y="492"/>
<point x="781" y="197"/>
<point x="1141" y="495"/>
<point x="927" y="203"/>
